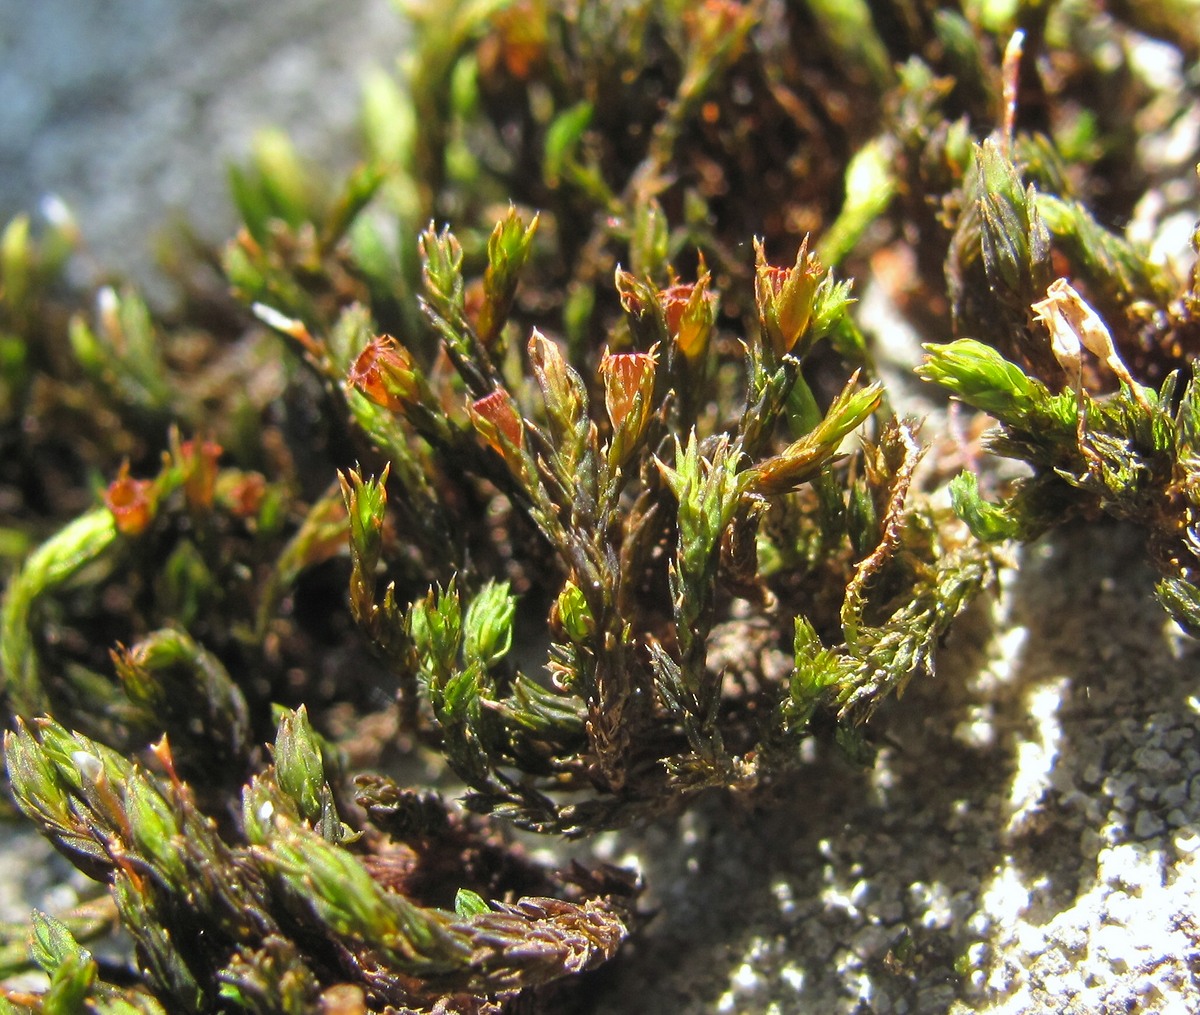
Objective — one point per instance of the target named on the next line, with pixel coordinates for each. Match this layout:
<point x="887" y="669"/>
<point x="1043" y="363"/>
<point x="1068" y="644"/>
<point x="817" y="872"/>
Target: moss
<point x="561" y="386"/>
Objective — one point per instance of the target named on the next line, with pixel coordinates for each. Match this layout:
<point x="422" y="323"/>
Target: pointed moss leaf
<point x="298" y="764"/>
<point x="15" y="260"/>
<point x="70" y="985"/>
<point x="830" y="303"/>
<point x="1181" y="599"/>
<point x="52" y="942"/>
<point x="1187" y="422"/>
<point x="803" y="458"/>
<point x="468" y="904"/>
<point x="338" y="890"/>
<point x="649" y="246"/>
<point x="816" y="669"/>
<point x="987" y="521"/>
<point x="508" y="249"/>
<point x="155" y="830"/>
<point x="461" y="696"/>
<point x="281" y="177"/>
<point x="563" y="137"/>
<point x="273" y="978"/>
<point x="981" y="377"/>
<point x="157" y="947"/>
<point x="83" y="542"/>
<point x="574" y="613"/>
<point x="357" y="192"/>
<point x="435" y="625"/>
<point x="443" y="258"/>
<point x="545" y="713"/>
<point x="388" y="117"/>
<point x="366" y="504"/>
<point x="487" y="628"/>
<point x="1114" y="265"/>
<point x="33" y="777"/>
<point x="870" y="186"/>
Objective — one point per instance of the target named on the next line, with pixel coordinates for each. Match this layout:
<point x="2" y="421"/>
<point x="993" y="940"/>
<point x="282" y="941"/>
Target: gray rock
<point x="131" y="111"/>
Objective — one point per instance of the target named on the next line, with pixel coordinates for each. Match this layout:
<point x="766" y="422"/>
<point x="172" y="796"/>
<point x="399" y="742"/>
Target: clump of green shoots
<point x="1101" y="437"/>
<point x="650" y="520"/>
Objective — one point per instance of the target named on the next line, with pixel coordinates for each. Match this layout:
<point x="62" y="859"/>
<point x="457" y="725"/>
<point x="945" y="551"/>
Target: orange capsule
<point x="131" y="502"/>
<point x="625" y="374"/>
<point x="385" y="373"/>
<point x="494" y="416"/>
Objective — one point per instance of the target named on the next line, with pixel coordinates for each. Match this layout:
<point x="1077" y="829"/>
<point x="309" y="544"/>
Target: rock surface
<point x="1029" y="838"/>
<point x="1026" y="842"/>
<point x="130" y="111"/>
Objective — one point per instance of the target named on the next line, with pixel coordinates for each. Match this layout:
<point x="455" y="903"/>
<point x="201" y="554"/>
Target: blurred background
<point x="131" y="110"/>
